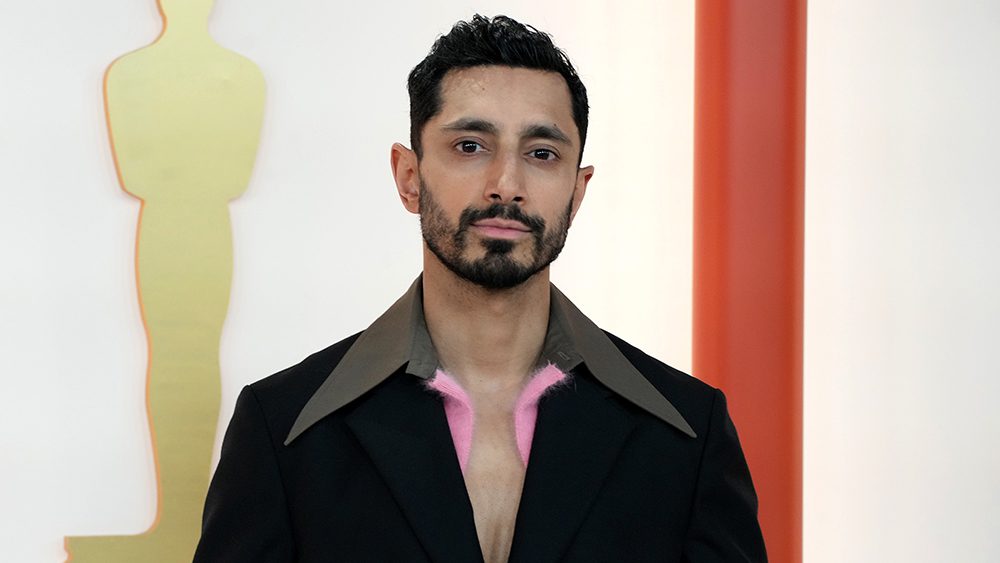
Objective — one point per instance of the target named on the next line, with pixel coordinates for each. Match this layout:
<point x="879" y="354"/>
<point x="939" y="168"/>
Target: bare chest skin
<point x="494" y="475"/>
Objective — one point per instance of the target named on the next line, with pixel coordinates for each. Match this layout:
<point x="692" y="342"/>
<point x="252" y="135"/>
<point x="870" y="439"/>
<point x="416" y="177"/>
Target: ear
<point x="407" y="176"/>
<point x="583" y="177"/>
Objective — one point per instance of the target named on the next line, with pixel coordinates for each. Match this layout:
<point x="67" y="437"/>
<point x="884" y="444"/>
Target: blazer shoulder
<point x="283" y="394"/>
<point x="690" y="395"/>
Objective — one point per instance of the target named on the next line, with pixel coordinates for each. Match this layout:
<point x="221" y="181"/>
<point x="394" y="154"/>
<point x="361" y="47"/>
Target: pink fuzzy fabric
<point x="458" y="409"/>
<point x="526" y="407"/>
<point x="461" y="416"/>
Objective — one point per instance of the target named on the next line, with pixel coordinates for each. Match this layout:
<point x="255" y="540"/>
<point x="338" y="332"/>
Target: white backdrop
<point x="902" y="312"/>
<point x="322" y="244"/>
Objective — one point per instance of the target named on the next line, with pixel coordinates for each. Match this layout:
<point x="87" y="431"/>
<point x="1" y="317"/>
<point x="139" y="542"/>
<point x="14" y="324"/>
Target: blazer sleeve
<point x="246" y="516"/>
<point x="724" y="526"/>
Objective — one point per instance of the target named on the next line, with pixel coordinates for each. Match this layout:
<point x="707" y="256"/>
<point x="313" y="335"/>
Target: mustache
<point x="510" y="212"/>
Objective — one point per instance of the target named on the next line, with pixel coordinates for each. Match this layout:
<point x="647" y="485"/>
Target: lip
<point x="503" y="224"/>
<point x="501" y="228"/>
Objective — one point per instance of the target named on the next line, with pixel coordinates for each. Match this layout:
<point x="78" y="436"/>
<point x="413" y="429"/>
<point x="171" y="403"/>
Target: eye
<point x="469" y="147"/>
<point x="543" y="154"/>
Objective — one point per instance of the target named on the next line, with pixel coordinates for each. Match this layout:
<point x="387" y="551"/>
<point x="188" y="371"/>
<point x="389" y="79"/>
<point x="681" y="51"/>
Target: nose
<point x="506" y="181"/>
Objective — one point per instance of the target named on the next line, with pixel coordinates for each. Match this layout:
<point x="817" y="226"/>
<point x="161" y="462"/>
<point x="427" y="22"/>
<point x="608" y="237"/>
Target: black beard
<point x="497" y="269"/>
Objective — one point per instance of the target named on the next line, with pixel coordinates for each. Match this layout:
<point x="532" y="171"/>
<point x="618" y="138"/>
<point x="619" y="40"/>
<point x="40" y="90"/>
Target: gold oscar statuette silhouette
<point x="184" y="116"/>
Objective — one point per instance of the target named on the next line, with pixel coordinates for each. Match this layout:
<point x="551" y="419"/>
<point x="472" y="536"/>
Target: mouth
<point x="501" y="228"/>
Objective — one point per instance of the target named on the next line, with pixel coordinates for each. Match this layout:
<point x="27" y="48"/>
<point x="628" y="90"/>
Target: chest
<point x="494" y="478"/>
<point x="597" y="489"/>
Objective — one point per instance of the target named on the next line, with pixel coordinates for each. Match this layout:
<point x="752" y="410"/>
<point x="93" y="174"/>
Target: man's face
<point x="494" y="265"/>
<point x="498" y="181"/>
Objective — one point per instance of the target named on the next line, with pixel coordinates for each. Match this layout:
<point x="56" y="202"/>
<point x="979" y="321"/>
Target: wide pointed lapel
<point x="579" y="434"/>
<point x="404" y="429"/>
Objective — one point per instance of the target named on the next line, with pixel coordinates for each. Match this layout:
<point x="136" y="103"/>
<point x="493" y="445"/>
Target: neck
<point x="489" y="340"/>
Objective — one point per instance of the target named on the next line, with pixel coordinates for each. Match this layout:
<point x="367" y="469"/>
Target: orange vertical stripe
<point x="748" y="236"/>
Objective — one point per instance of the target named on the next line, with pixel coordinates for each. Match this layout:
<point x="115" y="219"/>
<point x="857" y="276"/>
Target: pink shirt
<point x="461" y="416"/>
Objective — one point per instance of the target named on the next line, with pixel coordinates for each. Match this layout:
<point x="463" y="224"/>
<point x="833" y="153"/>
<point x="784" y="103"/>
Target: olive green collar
<point x="399" y="337"/>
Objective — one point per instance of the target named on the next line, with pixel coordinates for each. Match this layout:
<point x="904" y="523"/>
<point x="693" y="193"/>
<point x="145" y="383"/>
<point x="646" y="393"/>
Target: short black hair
<point x="484" y="41"/>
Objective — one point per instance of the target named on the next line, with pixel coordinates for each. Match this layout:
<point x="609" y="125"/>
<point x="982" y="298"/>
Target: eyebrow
<point x="472" y="124"/>
<point x="550" y="132"/>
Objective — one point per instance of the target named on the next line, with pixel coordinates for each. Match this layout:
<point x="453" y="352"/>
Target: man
<point x="484" y="417"/>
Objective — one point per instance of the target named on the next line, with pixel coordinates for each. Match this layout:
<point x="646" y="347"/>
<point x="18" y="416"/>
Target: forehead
<point x="507" y="95"/>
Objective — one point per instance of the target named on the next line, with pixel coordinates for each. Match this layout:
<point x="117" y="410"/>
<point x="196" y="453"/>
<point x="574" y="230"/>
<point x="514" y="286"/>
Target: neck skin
<point x="488" y="340"/>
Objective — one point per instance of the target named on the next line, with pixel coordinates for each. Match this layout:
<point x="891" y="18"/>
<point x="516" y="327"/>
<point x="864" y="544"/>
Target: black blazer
<point x="378" y="480"/>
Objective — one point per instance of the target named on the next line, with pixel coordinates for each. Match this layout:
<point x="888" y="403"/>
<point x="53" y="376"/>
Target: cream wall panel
<point x="901" y="301"/>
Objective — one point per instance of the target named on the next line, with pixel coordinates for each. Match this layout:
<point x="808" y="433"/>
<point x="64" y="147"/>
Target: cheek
<point x="453" y="190"/>
<point x="558" y="180"/>
<point x="454" y="169"/>
<point x="554" y="198"/>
